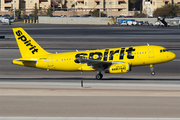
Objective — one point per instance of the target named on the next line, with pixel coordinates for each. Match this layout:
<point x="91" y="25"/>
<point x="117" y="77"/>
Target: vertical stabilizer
<point x="27" y="46"/>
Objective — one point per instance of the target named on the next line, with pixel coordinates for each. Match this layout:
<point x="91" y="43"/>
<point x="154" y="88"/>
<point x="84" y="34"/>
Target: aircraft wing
<point x="95" y="63"/>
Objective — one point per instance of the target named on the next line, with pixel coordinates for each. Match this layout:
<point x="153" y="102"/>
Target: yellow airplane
<point x="109" y="60"/>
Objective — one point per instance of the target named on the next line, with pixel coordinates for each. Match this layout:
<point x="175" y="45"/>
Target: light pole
<point x="14" y="8"/>
<point x="28" y="7"/>
<point x="110" y="7"/>
<point x="99" y="8"/>
<point x="107" y="7"/>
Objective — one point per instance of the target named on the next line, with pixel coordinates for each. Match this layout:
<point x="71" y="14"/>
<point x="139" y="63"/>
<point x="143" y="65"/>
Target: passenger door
<point x="151" y="52"/>
<point x="50" y="61"/>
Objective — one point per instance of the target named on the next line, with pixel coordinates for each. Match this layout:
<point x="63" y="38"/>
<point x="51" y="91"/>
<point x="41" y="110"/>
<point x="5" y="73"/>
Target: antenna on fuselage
<point x="147" y="44"/>
<point x="76" y="50"/>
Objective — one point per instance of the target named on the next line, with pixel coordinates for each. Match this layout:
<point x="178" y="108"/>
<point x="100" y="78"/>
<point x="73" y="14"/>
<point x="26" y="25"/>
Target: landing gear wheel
<point x="99" y="76"/>
<point x="152" y="70"/>
<point x="152" y="73"/>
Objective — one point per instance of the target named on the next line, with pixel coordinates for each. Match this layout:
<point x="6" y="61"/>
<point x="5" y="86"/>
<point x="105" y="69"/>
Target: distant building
<point x="8" y="5"/>
<point x="110" y="7"/>
<point x="114" y="5"/>
<point x="150" y="5"/>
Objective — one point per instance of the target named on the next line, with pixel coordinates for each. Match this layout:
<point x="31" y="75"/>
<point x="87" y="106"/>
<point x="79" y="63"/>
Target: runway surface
<point x="30" y="92"/>
<point x="105" y="98"/>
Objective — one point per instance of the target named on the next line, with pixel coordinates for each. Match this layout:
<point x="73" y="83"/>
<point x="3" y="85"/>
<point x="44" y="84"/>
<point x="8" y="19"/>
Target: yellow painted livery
<point x="110" y="60"/>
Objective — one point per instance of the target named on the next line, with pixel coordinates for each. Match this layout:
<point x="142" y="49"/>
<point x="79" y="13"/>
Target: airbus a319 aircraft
<point x="109" y="60"/>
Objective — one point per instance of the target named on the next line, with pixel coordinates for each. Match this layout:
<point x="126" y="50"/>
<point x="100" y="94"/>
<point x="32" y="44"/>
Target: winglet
<point x="27" y="46"/>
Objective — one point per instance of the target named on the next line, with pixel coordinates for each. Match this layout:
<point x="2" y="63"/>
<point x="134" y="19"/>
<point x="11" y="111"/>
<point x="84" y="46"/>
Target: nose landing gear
<point x="152" y="70"/>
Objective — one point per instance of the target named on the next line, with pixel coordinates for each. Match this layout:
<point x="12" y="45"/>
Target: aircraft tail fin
<point x="27" y="46"/>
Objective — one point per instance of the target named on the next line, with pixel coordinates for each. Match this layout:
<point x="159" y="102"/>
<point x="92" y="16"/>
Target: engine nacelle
<point x="118" y="68"/>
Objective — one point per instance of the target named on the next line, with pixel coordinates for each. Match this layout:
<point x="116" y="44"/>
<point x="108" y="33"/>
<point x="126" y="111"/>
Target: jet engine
<point x="119" y="68"/>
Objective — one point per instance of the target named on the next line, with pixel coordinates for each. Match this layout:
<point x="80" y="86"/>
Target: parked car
<point x="157" y="23"/>
<point x="110" y="16"/>
<point x="130" y="22"/>
<point x="76" y="16"/>
<point x="135" y="23"/>
<point x="146" y="23"/>
<point x="7" y="20"/>
<point x="116" y="16"/>
<point x="6" y="15"/>
<point x="129" y="16"/>
<point x="86" y="15"/>
<point x="25" y="16"/>
<point x="124" y="23"/>
<point x="63" y="16"/>
<point x="31" y="16"/>
<point x="150" y="24"/>
<point x="140" y="23"/>
<point x="121" y="16"/>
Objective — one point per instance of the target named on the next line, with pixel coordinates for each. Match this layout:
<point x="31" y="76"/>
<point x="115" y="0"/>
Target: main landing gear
<point x="152" y="70"/>
<point x="99" y="76"/>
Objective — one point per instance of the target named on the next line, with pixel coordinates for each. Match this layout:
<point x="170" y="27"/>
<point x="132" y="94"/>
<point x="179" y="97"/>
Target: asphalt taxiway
<point x="106" y="98"/>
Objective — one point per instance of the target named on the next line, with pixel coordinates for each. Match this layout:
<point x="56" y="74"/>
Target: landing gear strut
<point x="152" y="70"/>
<point x="99" y="76"/>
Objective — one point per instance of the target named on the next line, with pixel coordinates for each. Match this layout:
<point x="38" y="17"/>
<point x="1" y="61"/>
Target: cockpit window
<point x="164" y="50"/>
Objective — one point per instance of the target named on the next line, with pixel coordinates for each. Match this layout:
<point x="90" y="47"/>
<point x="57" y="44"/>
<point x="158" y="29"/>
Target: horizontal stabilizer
<point x="24" y="62"/>
<point x="28" y="61"/>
